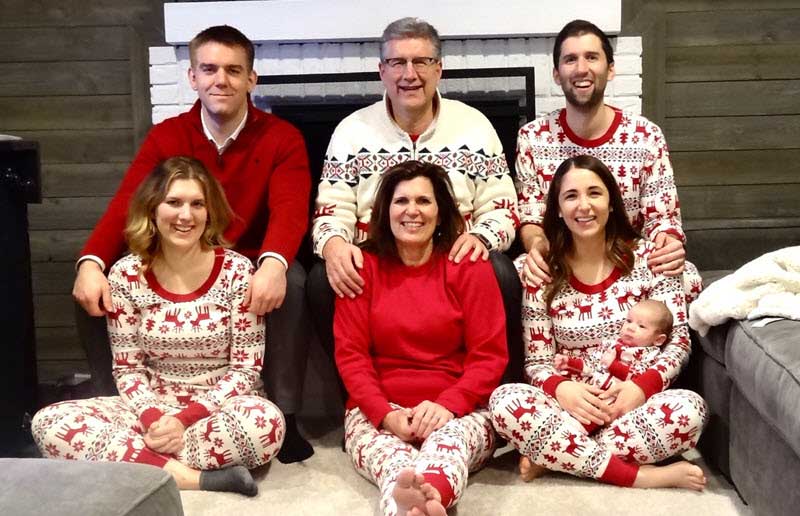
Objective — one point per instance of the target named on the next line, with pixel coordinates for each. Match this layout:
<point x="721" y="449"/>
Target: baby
<point x="645" y="330"/>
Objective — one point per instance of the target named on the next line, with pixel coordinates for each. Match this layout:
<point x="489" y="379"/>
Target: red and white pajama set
<point x="434" y="332"/>
<point x="195" y="356"/>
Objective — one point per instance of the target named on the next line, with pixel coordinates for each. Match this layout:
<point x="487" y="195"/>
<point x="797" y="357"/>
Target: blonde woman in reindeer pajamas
<point x="420" y="350"/>
<point x="187" y="352"/>
<point x="599" y="267"/>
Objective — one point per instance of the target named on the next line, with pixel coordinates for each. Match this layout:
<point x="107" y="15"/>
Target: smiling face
<point x="410" y="90"/>
<point x="222" y="78"/>
<point x="583" y="71"/>
<point x="583" y="203"/>
<point x="641" y="327"/>
<point x="181" y="217"/>
<point x="413" y="216"/>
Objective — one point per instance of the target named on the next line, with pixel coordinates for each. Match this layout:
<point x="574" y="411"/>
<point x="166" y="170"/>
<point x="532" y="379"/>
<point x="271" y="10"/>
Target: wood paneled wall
<point x="723" y="80"/>
<point x="74" y="76"/>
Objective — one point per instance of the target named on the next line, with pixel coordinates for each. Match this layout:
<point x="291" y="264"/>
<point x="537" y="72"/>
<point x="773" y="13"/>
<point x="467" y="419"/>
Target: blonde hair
<point x="141" y="233"/>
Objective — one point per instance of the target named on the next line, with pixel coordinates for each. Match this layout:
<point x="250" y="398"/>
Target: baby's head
<point x="649" y="323"/>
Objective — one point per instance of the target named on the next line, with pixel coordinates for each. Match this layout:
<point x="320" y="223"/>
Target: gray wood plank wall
<point x="721" y="78"/>
<point x="74" y="76"/>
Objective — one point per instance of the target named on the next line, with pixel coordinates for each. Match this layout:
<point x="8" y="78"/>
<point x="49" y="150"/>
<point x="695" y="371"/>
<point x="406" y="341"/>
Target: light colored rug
<point x="327" y="484"/>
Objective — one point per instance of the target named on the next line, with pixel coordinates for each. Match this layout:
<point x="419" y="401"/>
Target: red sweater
<point x="434" y="332"/>
<point x="264" y="173"/>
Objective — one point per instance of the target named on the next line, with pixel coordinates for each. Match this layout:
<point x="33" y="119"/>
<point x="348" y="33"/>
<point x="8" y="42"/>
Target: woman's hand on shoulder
<point x="628" y="397"/>
<point x="583" y="402"/>
<point x="398" y="422"/>
<point x="427" y="417"/>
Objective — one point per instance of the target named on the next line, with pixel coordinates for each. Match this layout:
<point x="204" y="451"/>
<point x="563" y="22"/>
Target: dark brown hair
<point x="579" y="28"/>
<point x="621" y="237"/>
<point x="224" y="35"/>
<point x="451" y="224"/>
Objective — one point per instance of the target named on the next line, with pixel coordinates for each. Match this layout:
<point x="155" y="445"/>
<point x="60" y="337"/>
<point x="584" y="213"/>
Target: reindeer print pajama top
<point x="635" y="151"/>
<point x="195" y="356"/>
<point x="434" y="332"/>
<point x="579" y="318"/>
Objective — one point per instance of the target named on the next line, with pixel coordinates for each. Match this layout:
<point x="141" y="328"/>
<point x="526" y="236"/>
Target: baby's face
<point x="640" y="327"/>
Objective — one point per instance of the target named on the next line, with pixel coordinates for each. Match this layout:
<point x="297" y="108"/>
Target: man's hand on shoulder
<point x="91" y="289"/>
<point x="267" y="287"/>
<point x="342" y="259"/>
<point x="669" y="256"/>
<point x="468" y="244"/>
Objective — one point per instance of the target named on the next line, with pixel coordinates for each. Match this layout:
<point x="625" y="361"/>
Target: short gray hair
<point x="408" y="28"/>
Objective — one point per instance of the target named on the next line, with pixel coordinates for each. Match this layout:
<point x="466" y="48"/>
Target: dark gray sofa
<point x="750" y="378"/>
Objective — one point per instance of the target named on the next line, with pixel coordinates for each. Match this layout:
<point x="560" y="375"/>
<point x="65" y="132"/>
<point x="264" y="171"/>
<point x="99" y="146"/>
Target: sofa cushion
<point x="764" y="364"/>
<point x="66" y="488"/>
<point x="713" y="343"/>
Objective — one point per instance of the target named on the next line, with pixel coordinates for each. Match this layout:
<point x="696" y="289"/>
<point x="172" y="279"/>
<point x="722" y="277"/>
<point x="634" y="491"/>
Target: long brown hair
<point x="620" y="237"/>
<point x="451" y="224"/>
<point x="141" y="233"/>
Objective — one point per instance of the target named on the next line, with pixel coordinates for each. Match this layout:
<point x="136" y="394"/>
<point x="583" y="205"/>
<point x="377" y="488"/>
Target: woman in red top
<point x="421" y="349"/>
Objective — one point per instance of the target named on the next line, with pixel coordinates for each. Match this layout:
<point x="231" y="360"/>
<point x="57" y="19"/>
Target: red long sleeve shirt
<point x="264" y="173"/>
<point x="434" y="332"/>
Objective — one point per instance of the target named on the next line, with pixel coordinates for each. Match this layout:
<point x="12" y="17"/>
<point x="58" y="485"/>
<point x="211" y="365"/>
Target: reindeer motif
<point x="271" y="437"/>
<point x="221" y="458"/>
<point x="640" y="128"/>
<point x="258" y="359"/>
<point x="452" y="448"/>
<point x="684" y="437"/>
<point x="129" y="451"/>
<point x="543" y="128"/>
<point x="134" y="387"/>
<point x="211" y="426"/>
<point x="360" y="457"/>
<point x="132" y="279"/>
<point x="538" y="334"/>
<point x="202" y="315"/>
<point x="401" y="449"/>
<point x="517" y="410"/>
<point x="572" y="448"/>
<point x="114" y="316"/>
<point x="247" y="409"/>
<point x="174" y="318"/>
<point x="623" y="301"/>
<point x="619" y="433"/>
<point x="67" y="434"/>
<point x="631" y="455"/>
<point x="184" y="399"/>
<point x="584" y="309"/>
<point x="121" y="359"/>
<point x="437" y="470"/>
<point x="668" y="411"/>
<point x="324" y="211"/>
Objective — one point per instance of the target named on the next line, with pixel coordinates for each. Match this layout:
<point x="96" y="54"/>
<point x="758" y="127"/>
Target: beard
<point x="586" y="104"/>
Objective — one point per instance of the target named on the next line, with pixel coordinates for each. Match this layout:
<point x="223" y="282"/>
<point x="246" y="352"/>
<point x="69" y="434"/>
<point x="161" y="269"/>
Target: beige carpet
<point x="327" y="484"/>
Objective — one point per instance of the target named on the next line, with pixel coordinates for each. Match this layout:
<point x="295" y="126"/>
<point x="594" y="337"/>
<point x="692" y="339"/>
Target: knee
<point x="698" y="409"/>
<point x="509" y="393"/>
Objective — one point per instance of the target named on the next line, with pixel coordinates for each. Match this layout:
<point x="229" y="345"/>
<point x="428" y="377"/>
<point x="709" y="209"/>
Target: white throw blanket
<point x="766" y="286"/>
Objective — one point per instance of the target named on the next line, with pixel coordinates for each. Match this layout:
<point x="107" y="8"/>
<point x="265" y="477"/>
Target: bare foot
<point x="415" y="497"/>
<point x="679" y="474"/>
<point x="528" y="470"/>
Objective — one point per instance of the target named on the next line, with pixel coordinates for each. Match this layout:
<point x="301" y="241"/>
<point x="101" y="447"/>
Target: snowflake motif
<point x="525" y="425"/>
<point x="530" y="400"/>
<point x="131" y="320"/>
<point x="80" y="418"/>
<point x="112" y="456"/>
<point x="555" y="446"/>
<point x="651" y="410"/>
<point x="78" y="446"/>
<point x="677" y="298"/>
<point x="242" y="309"/>
<point x="163" y="328"/>
<point x="500" y="422"/>
<point x="683" y="420"/>
<point x="52" y="450"/>
<point x="605" y="313"/>
<point x="240" y="386"/>
<point x="240" y="266"/>
<point x="615" y="290"/>
<point x="620" y="446"/>
<point x="261" y="422"/>
<point x="227" y="265"/>
<point x="568" y="466"/>
<point x="211" y="326"/>
<point x="240" y="355"/>
<point x="243" y="324"/>
<point x="218" y="442"/>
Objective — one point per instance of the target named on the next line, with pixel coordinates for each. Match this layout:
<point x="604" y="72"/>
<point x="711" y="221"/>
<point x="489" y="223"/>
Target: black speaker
<point x="20" y="184"/>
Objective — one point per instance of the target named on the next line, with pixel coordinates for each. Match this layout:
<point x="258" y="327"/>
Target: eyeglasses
<point x="420" y="64"/>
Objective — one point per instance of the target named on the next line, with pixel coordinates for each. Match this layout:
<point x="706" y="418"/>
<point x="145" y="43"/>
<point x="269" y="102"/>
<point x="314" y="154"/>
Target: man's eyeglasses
<point x="420" y="64"/>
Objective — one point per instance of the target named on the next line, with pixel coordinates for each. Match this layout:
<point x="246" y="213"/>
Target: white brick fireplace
<point x="340" y="36"/>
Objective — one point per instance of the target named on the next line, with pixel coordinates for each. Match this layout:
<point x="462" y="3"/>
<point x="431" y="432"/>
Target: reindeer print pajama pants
<point x="445" y="458"/>
<point x="246" y="430"/>
<point x="669" y="423"/>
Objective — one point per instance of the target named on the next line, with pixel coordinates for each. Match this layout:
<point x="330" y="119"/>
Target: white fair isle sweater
<point x="460" y="139"/>
<point x="176" y="350"/>
<point x="581" y="316"/>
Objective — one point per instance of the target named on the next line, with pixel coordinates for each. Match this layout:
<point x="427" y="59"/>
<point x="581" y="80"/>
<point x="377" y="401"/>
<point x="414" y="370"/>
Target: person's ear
<point x="660" y="339"/>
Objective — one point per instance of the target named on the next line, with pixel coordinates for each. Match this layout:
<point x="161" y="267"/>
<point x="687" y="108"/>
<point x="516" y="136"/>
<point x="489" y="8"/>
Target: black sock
<point x="236" y="479"/>
<point x="295" y="448"/>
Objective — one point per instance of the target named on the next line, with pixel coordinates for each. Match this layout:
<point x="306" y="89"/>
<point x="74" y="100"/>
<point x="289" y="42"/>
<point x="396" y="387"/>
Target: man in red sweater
<point x="261" y="162"/>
